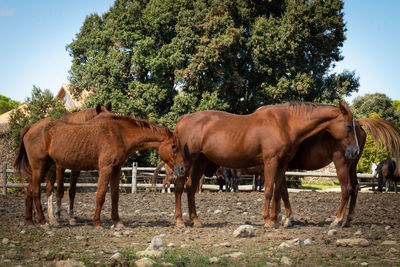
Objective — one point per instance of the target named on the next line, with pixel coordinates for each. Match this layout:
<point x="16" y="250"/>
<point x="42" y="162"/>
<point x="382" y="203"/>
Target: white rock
<point x="171" y="245"/>
<point x="388" y="227"/>
<point x="259" y="199"/>
<point x="145" y="262"/>
<point x="286" y="261"/>
<point x="352" y="242"/>
<point x="116" y="256"/>
<point x="234" y="255"/>
<point x="308" y="241"/>
<point x="79" y="237"/>
<point x="393" y="250"/>
<point x="225" y="244"/>
<point x="184" y="214"/>
<point x="284" y="245"/>
<point x="184" y="245"/>
<point x="332" y="232"/>
<point x="364" y="263"/>
<point x="214" y="260"/>
<point x="358" y="233"/>
<point x="22" y="232"/>
<point x="117" y="234"/>
<point x="156" y="244"/>
<point x="127" y="232"/>
<point x="244" y="231"/>
<point x="297" y="242"/>
<point x="69" y="263"/>
<point x="389" y="243"/>
<point x="5" y="241"/>
<point x="217" y="211"/>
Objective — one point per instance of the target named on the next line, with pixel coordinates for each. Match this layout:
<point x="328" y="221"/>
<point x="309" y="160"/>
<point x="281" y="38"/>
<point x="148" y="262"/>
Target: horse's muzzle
<point x="179" y="170"/>
<point x="351" y="152"/>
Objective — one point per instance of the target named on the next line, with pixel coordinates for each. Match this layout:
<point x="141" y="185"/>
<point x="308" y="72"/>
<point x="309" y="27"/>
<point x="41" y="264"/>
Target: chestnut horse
<point x="269" y="136"/>
<point x="75" y="117"/>
<point x="100" y="144"/>
<point x="387" y="171"/>
<point x="169" y="177"/>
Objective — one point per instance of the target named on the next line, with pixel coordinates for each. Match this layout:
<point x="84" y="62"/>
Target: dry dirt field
<point x="146" y="215"/>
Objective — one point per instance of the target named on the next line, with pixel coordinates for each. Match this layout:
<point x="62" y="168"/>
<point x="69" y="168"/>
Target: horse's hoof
<point x="119" y="225"/>
<point x="54" y="223"/>
<point x="72" y="221"/>
<point x="45" y="226"/>
<point x="180" y="225"/>
<point x="271" y="225"/>
<point x="197" y="224"/>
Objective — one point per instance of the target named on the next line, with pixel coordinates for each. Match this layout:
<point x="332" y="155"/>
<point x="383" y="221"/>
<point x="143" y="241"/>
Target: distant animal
<point x="258" y="176"/>
<point x="269" y="136"/>
<point x="225" y="176"/>
<point x="387" y="171"/>
<point x="169" y="177"/>
<point x="102" y="143"/>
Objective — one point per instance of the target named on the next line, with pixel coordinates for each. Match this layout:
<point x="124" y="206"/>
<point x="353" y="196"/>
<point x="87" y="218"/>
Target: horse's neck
<point x="140" y="138"/>
<point x="312" y="122"/>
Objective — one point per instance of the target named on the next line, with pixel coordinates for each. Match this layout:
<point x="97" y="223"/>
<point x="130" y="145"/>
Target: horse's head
<point x="343" y="129"/>
<point x="171" y="154"/>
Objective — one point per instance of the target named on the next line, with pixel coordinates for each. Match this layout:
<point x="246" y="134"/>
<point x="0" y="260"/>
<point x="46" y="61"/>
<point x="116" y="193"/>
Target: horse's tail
<point x="155" y="174"/>
<point x="21" y="162"/>
<point x="384" y="132"/>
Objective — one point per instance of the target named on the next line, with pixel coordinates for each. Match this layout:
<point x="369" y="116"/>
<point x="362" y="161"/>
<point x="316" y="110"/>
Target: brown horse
<point x="387" y="171"/>
<point x="101" y="144"/>
<point x="169" y="177"/>
<point x="269" y="136"/>
<point x="75" y="117"/>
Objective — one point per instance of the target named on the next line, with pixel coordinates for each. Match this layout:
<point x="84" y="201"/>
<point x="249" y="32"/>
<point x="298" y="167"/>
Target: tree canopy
<point x="40" y="105"/>
<point x="160" y="59"/>
<point x="6" y="104"/>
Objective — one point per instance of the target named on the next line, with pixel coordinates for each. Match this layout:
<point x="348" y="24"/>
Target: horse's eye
<point x="174" y="148"/>
<point x="349" y="128"/>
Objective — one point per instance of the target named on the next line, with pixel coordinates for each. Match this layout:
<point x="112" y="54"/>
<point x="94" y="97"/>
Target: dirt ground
<point x="146" y="215"/>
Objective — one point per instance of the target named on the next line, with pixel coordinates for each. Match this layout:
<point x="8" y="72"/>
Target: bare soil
<point x="146" y="215"/>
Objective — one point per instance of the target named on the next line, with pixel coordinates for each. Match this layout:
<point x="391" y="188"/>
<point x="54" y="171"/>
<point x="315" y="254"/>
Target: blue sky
<point x="33" y="36"/>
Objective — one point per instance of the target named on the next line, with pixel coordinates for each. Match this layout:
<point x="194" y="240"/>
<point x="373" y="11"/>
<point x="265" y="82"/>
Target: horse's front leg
<point x="114" y="191"/>
<point x="179" y="185"/>
<point x="34" y="188"/>
<point x="105" y="174"/>
<point x="192" y="186"/>
<point x="343" y="174"/>
<point x="353" y="193"/>
<point x="28" y="205"/>
<point x="72" y="193"/>
<point x="270" y="170"/>
<point x="288" y="208"/>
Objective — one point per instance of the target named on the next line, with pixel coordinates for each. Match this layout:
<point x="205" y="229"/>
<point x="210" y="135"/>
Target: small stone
<point x="145" y="262"/>
<point x="225" y="244"/>
<point x="389" y="243"/>
<point x="127" y="232"/>
<point x="171" y="245"/>
<point x="79" y="237"/>
<point x="332" y="232"/>
<point x="22" y="232"/>
<point x="358" y="233"/>
<point x="235" y="254"/>
<point x="110" y="251"/>
<point x="364" y="263"/>
<point x="308" y="241"/>
<point x="5" y="241"/>
<point x="69" y="263"/>
<point x="217" y="211"/>
<point x="259" y="199"/>
<point x="373" y="226"/>
<point x="184" y="214"/>
<point x="297" y="242"/>
<point x="286" y="261"/>
<point x="117" y="234"/>
<point x="214" y="260"/>
<point x="244" y="231"/>
<point x="388" y="227"/>
<point x="184" y="245"/>
<point x="284" y="245"/>
<point x="393" y="250"/>
<point x="239" y="203"/>
<point x="352" y="242"/>
<point x="156" y="244"/>
<point x="116" y="256"/>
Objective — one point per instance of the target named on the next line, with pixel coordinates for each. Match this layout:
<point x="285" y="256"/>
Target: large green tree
<point x="6" y="104"/>
<point x="160" y="59"/>
<point x="378" y="106"/>
<point x="39" y="105"/>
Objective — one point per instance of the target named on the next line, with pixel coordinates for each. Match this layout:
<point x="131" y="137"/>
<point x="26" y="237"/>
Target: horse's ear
<point x="109" y="106"/>
<point x="344" y="108"/>
<point x="98" y="108"/>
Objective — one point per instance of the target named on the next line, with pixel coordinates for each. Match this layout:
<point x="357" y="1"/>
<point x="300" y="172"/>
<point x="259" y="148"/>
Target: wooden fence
<point x="141" y="176"/>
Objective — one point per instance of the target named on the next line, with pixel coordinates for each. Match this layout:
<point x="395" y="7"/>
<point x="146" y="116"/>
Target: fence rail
<point x="141" y="175"/>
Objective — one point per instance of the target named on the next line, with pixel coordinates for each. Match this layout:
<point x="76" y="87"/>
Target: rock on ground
<point x="145" y="262"/>
<point x="244" y="231"/>
<point x="69" y="263"/>
<point x="352" y="242"/>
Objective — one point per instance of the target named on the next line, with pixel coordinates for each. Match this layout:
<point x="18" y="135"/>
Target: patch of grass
<point x="179" y="256"/>
<point x="320" y="185"/>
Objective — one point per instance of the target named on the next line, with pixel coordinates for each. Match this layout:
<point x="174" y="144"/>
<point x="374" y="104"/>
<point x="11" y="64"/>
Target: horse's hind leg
<point x="28" y="205"/>
<point x="60" y="190"/>
<point x="72" y="193"/>
<point x="288" y="208"/>
<point x="35" y="193"/>
<point x="192" y="186"/>
<point x="49" y="192"/>
<point x="114" y="191"/>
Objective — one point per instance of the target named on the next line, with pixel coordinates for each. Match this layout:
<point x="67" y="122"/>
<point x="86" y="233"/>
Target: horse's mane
<point x="138" y="122"/>
<point x="383" y="132"/>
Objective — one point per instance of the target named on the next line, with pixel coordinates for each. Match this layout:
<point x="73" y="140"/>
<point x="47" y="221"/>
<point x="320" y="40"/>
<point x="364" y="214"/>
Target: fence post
<point x="4" y="178"/>
<point x="134" y="180"/>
